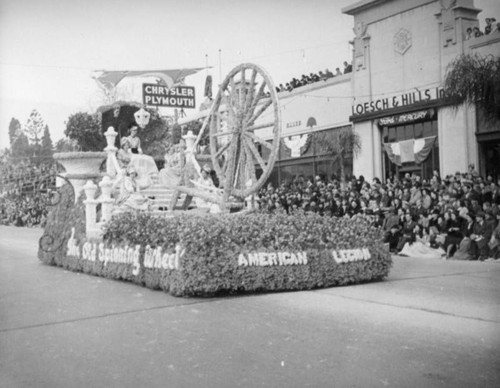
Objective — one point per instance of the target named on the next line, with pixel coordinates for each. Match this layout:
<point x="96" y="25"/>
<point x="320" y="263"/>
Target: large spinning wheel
<point x="245" y="129"/>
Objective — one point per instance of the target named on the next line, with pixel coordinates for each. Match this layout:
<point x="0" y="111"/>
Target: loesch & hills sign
<point x="405" y="99"/>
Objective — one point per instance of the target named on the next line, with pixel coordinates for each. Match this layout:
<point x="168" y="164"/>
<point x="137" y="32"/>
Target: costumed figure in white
<point x="205" y="183"/>
<point x="144" y="165"/>
<point x="171" y="174"/>
<point x="130" y="198"/>
<point x="421" y="248"/>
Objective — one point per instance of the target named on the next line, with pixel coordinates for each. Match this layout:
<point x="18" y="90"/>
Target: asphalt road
<point x="432" y="323"/>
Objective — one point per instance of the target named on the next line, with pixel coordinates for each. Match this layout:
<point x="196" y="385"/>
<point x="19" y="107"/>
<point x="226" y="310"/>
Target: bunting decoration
<point x="407" y="151"/>
<point x="298" y="144"/>
<point x="168" y="78"/>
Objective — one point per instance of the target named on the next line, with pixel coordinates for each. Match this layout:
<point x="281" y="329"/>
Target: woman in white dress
<point x="130" y="198"/>
<point x="421" y="248"/>
<point x="144" y="165"/>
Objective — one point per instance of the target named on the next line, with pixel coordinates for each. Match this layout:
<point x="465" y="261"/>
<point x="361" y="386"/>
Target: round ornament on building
<point x="402" y="41"/>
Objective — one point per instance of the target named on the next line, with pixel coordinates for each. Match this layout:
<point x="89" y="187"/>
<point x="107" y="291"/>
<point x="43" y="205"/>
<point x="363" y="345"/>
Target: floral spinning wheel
<point x="245" y="129"/>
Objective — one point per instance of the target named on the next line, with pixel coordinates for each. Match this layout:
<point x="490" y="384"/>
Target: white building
<point x="401" y="52"/>
<point x="393" y="98"/>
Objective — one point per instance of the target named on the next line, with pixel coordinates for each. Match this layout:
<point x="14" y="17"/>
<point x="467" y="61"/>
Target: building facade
<point x="393" y="99"/>
<point x="402" y="49"/>
<point x="312" y="116"/>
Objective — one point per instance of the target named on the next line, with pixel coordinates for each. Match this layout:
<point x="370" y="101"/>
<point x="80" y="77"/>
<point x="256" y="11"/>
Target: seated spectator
<point x="421" y="247"/>
<point x="314" y="77"/>
<point x="489" y="25"/>
<point x="337" y="72"/>
<point x="328" y="73"/>
<point x="494" y="243"/>
<point x="464" y="251"/>
<point x="477" y="32"/>
<point x="469" y="34"/>
<point x="480" y="237"/>
<point x="348" y="67"/>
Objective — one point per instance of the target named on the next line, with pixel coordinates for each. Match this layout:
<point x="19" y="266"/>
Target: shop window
<point x="428" y="129"/>
<point x="419" y="130"/>
<point x="314" y="159"/>
<point x="406" y="132"/>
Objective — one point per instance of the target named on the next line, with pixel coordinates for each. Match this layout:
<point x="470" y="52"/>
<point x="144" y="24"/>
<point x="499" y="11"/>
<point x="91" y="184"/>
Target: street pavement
<point x="432" y="323"/>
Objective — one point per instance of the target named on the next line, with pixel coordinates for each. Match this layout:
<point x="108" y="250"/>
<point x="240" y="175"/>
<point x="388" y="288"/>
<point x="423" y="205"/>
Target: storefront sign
<point x="175" y="97"/>
<point x="407" y="118"/>
<point x="263" y="259"/>
<point x="294" y="124"/>
<point x="405" y="99"/>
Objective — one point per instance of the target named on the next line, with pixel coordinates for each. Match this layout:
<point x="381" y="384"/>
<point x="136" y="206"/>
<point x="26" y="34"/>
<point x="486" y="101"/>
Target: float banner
<point x="175" y="97"/>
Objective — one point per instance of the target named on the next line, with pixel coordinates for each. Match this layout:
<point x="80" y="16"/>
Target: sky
<point x="49" y="49"/>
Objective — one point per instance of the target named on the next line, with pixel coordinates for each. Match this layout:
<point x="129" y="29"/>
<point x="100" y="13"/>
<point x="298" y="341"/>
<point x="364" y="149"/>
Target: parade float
<point x="206" y="240"/>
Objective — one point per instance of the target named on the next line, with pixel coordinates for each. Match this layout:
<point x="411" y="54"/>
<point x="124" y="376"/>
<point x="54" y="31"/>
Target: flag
<point x="208" y="86"/>
<point x="109" y="79"/>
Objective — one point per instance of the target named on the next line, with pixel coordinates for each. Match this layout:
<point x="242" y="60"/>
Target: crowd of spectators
<point x="313" y="77"/>
<point x="24" y="210"/>
<point x="491" y="27"/>
<point x="454" y="217"/>
<point x="24" y="192"/>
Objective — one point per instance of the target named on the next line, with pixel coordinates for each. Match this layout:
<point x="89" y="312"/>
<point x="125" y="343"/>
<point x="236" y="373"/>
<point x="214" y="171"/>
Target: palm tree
<point x="475" y="79"/>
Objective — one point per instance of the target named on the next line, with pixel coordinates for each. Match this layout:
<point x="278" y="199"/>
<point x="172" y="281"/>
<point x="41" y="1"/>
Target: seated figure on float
<point x="205" y="183"/>
<point x="171" y="174"/>
<point x="134" y="141"/>
<point x="131" y="154"/>
<point x="129" y="197"/>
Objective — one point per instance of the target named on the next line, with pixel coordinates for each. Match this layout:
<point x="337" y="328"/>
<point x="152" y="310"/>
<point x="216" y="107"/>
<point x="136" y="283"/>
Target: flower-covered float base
<point x="191" y="255"/>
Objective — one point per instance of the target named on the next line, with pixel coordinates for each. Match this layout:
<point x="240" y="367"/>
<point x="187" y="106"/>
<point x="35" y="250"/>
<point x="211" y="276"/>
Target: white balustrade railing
<point x="113" y="170"/>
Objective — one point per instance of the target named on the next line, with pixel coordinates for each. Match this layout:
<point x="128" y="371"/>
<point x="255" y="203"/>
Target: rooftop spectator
<point x="497" y="28"/>
<point x="477" y="32"/>
<point x="489" y="25"/>
<point x="347" y="67"/>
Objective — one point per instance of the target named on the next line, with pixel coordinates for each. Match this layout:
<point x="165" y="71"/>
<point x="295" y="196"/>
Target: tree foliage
<point x="155" y="137"/>
<point x="34" y="127"/>
<point x="475" y="79"/>
<point x="21" y="147"/>
<point x="345" y="143"/>
<point x="14" y="130"/>
<point x="85" y="129"/>
<point x="66" y="145"/>
<point x="47" y="146"/>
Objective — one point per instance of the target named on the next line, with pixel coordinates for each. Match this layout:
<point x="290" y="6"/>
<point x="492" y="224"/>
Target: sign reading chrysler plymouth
<point x="175" y="97"/>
